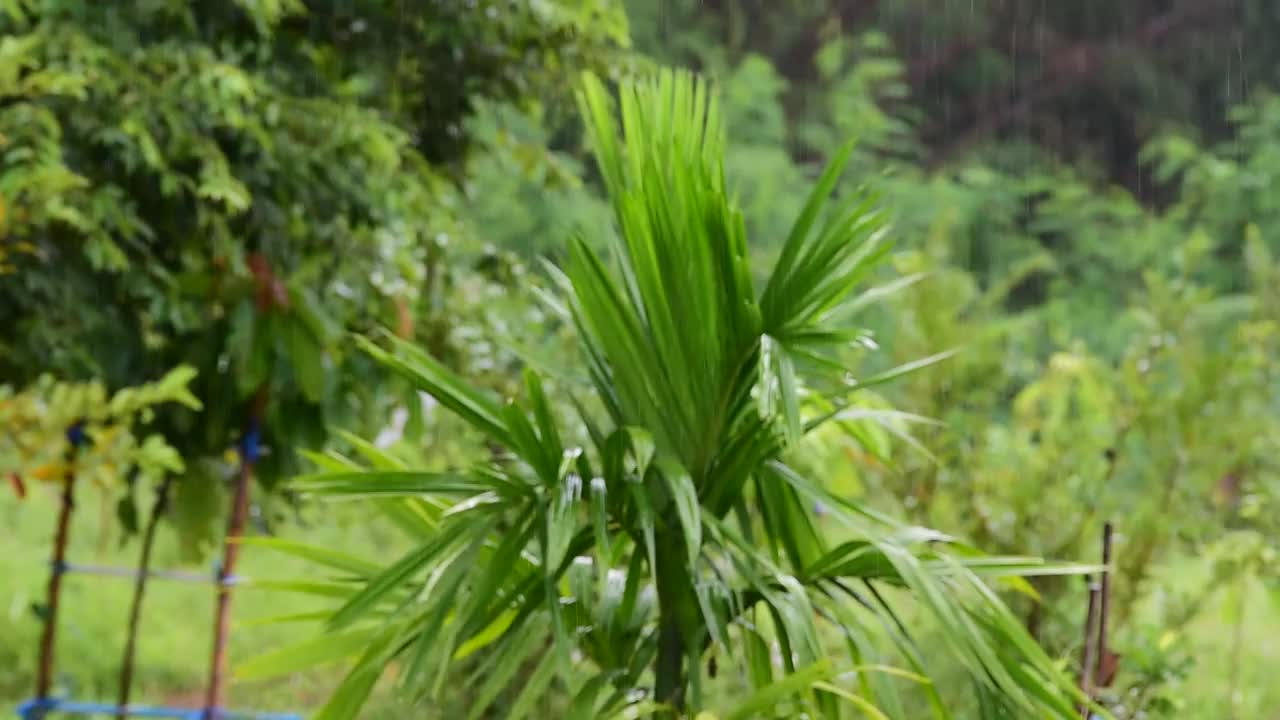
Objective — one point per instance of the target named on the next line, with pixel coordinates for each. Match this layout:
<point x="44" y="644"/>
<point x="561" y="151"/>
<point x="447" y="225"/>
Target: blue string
<point x="37" y="709"/>
<point x="65" y="568"/>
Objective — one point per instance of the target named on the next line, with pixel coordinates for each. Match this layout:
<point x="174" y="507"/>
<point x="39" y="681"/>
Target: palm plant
<point x="679" y="545"/>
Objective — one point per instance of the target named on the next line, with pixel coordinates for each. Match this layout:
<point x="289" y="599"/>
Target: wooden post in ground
<point x="48" y="638"/>
<point x="231" y="552"/>
<point x="1098" y="665"/>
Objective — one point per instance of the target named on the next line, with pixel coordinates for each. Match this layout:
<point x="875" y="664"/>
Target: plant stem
<point x="670" y="663"/>
<point x="139" y="590"/>
<point x="674" y="586"/>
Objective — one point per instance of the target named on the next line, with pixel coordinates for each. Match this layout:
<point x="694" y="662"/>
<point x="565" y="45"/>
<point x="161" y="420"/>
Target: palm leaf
<point x="704" y="386"/>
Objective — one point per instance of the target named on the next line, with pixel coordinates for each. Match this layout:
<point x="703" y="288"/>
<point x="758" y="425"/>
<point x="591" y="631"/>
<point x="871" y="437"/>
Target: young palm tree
<point x="680" y="537"/>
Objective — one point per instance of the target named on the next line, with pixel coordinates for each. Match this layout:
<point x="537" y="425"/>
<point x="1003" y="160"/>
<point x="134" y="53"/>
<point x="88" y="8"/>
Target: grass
<point x="176" y="638"/>
<point x="1206" y="692"/>
<point x="174" y="648"/>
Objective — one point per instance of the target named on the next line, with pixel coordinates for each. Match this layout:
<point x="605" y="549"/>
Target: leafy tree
<point x="209" y="184"/>
<point x="231" y="185"/>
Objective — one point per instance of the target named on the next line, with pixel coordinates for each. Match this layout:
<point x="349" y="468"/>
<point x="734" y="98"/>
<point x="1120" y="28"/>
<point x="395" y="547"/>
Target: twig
<point x="139" y="590"/>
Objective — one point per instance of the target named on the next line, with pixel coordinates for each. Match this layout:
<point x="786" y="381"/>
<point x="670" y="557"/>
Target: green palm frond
<point x="680" y="533"/>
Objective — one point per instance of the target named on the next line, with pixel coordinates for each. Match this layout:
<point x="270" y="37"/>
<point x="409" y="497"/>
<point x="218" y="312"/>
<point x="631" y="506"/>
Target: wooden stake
<point x="1105" y="665"/>
<point x="48" y="638"/>
<point x="1089" y="662"/>
<point x="231" y="552"/>
<point x="1098" y="665"/>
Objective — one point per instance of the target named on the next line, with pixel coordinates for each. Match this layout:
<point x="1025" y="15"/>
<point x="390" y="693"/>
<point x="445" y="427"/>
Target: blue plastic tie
<point x="225" y="580"/>
<point x="249" y="445"/>
<point x="76" y="435"/>
<point x="37" y="709"/>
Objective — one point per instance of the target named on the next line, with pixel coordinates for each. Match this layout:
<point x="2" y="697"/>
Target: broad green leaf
<point x="391" y="579"/>
<point x="388" y="483"/>
<point x="323" y="556"/>
<point x="500" y="669"/>
<point x="309" y="653"/>
<point x="306" y="357"/>
<point x="443" y="384"/>
<point x="562" y="520"/>
<point x="769" y="697"/>
<point x="534" y="688"/>
<point x="351" y="694"/>
<point x="858" y="701"/>
<point x="688" y="511"/>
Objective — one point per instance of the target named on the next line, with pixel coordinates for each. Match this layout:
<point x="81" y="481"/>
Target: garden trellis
<point x="224" y="578"/>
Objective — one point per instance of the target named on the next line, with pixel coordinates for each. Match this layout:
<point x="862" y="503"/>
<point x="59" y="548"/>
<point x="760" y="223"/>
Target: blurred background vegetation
<point x="1083" y="203"/>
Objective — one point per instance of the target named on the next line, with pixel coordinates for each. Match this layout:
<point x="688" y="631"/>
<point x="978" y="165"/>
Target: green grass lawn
<point x="175" y="644"/>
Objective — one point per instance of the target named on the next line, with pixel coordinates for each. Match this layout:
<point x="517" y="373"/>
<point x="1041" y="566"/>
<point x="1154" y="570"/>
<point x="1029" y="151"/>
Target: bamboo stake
<point x="1087" y="667"/>
<point x="48" y="638"/>
<point x="231" y="552"/>
<point x="1104" y="608"/>
<point x="1095" y="631"/>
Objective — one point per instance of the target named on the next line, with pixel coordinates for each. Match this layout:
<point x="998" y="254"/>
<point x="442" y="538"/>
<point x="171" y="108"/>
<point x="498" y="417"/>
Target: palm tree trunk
<point x="670" y="668"/>
<point x="674" y="587"/>
<point x="139" y="589"/>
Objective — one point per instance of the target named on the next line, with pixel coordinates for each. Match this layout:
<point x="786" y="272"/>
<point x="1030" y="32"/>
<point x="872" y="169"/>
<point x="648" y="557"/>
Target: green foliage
<point x="1081" y="197"/>
<point x="702" y="385"/>
<point x="1087" y="82"/>
<point x="37" y="420"/>
<point x="145" y="168"/>
<point x="230" y="186"/>
<point x="1109" y="362"/>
